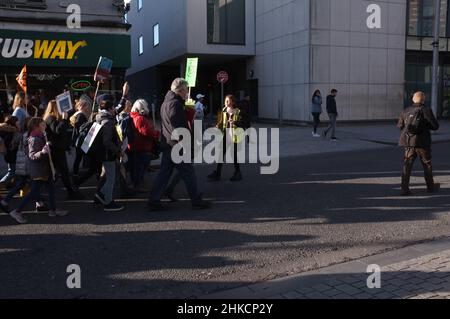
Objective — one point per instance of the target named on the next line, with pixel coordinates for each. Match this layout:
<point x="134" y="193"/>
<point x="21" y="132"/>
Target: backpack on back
<point x="414" y="122"/>
<point x="127" y="128"/>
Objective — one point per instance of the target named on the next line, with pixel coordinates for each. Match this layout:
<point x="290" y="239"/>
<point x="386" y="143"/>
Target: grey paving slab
<point x="403" y="279"/>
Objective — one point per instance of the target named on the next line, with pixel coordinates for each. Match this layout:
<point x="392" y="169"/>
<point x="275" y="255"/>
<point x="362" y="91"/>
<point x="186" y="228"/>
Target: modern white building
<point x="280" y="51"/>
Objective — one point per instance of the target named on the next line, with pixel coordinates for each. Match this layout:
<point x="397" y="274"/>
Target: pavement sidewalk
<point x="298" y="141"/>
<point x="415" y="272"/>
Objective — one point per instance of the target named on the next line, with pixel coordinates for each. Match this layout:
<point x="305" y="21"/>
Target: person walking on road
<point x="77" y="121"/>
<point x="21" y="114"/>
<point x="39" y="164"/>
<point x="109" y="154"/>
<point x="57" y="133"/>
<point x="316" y="111"/>
<point x="173" y="117"/>
<point x="415" y="124"/>
<point x="145" y="139"/>
<point x="332" y="114"/>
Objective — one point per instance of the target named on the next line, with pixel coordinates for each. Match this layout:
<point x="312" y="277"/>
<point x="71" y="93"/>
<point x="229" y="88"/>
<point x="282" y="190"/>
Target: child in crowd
<point x="22" y="179"/>
<point x="40" y="171"/>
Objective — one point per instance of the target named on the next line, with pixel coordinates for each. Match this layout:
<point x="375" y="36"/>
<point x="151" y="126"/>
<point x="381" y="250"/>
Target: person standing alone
<point x="415" y="124"/>
<point x="332" y="114"/>
<point x="316" y="111"/>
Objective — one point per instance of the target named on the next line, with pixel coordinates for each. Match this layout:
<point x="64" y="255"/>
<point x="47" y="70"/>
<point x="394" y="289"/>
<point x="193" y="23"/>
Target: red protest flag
<point x="22" y="79"/>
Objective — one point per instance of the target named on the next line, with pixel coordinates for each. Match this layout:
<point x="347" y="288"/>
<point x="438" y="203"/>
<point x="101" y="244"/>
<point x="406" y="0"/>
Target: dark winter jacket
<point x="39" y="163"/>
<point x="78" y="120"/>
<point x="422" y="140"/>
<point x="57" y="134"/>
<point x="331" y="105"/>
<point x="173" y="117"/>
<point x="11" y="138"/>
<point x="111" y="140"/>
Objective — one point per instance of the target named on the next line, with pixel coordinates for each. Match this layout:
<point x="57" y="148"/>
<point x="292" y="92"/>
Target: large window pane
<point x="226" y="21"/>
<point x="421" y="18"/>
<point x="427" y="18"/>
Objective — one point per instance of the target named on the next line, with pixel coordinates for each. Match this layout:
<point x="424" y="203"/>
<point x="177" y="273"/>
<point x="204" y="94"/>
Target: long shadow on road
<point x="315" y="205"/>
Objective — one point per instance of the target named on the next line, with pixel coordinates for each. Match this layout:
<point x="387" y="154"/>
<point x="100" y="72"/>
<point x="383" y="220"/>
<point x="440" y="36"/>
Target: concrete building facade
<point x="292" y="48"/>
<point x="325" y="44"/>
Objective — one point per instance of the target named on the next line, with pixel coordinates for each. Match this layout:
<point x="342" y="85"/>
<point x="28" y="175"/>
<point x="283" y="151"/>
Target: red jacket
<point x="145" y="134"/>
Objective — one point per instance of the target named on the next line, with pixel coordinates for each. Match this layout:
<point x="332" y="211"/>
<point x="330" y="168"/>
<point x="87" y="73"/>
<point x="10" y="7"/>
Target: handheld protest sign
<point x="103" y="70"/>
<point x="64" y="102"/>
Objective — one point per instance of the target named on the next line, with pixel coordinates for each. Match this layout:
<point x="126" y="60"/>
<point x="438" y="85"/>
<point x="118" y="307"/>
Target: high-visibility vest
<point x="235" y="131"/>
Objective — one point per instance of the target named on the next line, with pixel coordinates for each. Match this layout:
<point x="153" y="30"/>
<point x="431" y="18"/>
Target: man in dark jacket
<point x="416" y="123"/>
<point x="332" y="114"/>
<point x="173" y="117"/>
<point x="111" y="153"/>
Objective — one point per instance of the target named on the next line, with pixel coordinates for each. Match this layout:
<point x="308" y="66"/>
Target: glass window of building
<point x="156" y="35"/>
<point x="141" y="45"/>
<point x="421" y="18"/>
<point x="139" y="3"/>
<point x="226" y="21"/>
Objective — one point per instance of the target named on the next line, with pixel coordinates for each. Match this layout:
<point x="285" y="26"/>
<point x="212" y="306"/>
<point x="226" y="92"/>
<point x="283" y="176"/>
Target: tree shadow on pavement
<point x="123" y="264"/>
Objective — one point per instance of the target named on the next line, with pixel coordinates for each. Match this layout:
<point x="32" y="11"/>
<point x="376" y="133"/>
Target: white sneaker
<point x="58" y="213"/>
<point x="316" y="135"/>
<point x="18" y="217"/>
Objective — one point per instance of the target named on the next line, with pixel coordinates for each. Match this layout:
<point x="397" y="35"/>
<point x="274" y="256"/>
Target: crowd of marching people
<point x="116" y="142"/>
<point x="112" y="141"/>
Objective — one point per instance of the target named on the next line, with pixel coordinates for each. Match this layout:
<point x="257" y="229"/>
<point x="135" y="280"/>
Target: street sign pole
<point x="223" y="97"/>
<point x="435" y="83"/>
<point x="94" y="102"/>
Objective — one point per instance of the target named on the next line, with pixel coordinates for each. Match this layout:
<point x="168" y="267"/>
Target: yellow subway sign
<point x="62" y="49"/>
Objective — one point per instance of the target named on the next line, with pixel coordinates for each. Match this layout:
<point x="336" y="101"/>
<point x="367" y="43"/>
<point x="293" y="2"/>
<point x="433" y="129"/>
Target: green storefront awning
<point x="18" y="48"/>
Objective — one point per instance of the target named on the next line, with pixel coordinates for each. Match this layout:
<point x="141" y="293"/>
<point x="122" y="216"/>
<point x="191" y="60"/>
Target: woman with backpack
<point x="77" y="121"/>
<point x="40" y="171"/>
<point x="143" y="143"/>
<point x="57" y="134"/>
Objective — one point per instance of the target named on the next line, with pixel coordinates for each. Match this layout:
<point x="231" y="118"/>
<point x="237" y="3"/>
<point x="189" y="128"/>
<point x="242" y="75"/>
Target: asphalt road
<point x="319" y="210"/>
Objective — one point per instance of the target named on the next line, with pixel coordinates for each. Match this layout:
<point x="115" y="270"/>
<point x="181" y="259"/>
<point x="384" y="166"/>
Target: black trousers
<point x="316" y="117"/>
<point x="235" y="158"/>
<point x="411" y="155"/>
<point x="95" y="168"/>
<point x="60" y="162"/>
<point x="78" y="158"/>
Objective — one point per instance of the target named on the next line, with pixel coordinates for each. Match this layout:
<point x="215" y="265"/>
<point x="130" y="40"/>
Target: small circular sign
<point x="222" y="77"/>
<point x="81" y="85"/>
